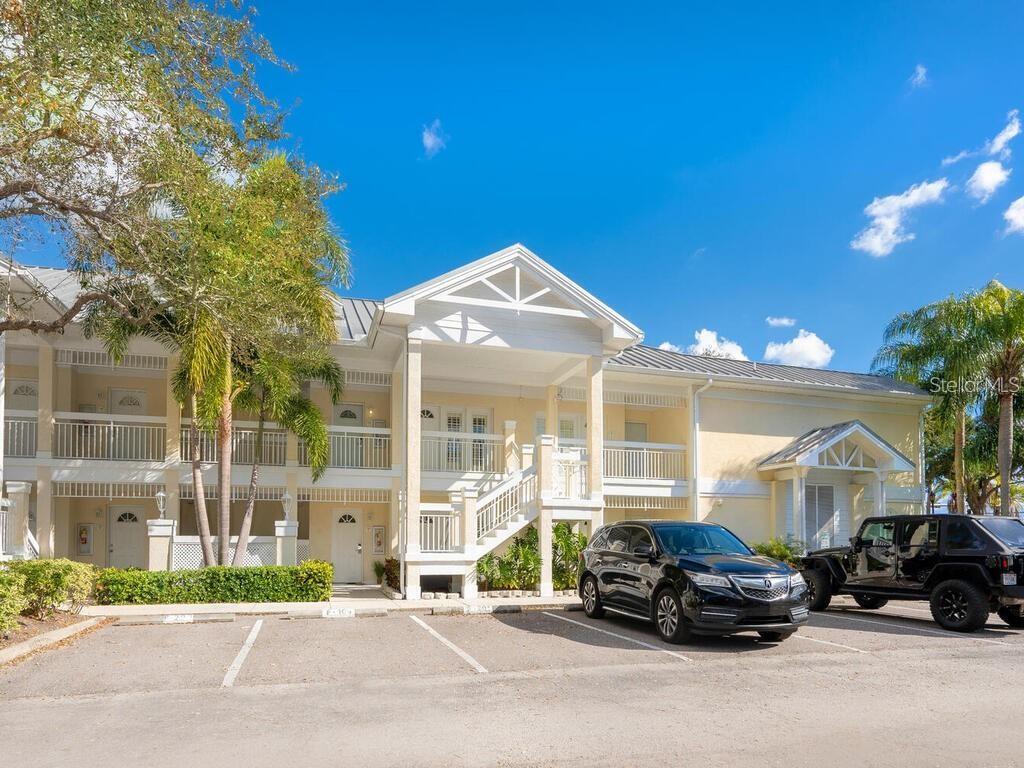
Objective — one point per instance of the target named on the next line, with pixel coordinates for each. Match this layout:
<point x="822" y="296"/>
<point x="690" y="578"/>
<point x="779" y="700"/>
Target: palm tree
<point x="934" y="346"/>
<point x="999" y="343"/>
<point x="272" y="390"/>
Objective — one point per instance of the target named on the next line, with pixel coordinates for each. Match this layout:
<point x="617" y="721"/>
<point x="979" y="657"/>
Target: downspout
<point x="695" y="450"/>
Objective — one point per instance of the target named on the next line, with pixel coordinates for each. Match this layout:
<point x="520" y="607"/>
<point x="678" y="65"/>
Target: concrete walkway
<point x="362" y="604"/>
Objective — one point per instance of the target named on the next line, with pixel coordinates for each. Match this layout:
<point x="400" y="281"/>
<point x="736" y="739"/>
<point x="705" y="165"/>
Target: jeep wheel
<point x="1012" y="615"/>
<point x="959" y="606"/>
<point x="869" y="601"/>
<point x="819" y="590"/>
<point x="591" y="598"/>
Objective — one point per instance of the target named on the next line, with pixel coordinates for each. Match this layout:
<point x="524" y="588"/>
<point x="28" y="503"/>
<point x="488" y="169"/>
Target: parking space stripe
<point x="618" y="636"/>
<point x="452" y="646"/>
<point x="236" y="665"/>
<point x="828" y="642"/>
<point x="897" y="625"/>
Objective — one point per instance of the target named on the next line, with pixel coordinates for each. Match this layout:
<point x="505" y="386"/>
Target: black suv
<point x="965" y="566"/>
<point x="689" y="578"/>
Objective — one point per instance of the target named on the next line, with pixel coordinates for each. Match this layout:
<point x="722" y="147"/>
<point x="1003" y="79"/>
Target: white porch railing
<point x="109" y="437"/>
<point x="505" y="502"/>
<point x="439" y="532"/>
<point x="243" y="445"/>
<point x="20" y="434"/>
<point x="355" y="448"/>
<point x="5" y="547"/>
<point x="462" y="452"/>
<point x="570" y="475"/>
<point x="644" y="461"/>
<point x="187" y="552"/>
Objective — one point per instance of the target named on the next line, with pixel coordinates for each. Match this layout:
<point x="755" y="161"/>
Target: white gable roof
<point x="847" y="445"/>
<point x="535" y="287"/>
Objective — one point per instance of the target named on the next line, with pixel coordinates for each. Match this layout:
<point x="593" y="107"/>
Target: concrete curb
<point x="45" y="640"/>
<point x="174" y="618"/>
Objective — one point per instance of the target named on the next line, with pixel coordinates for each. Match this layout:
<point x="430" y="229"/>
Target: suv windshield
<point x="689" y="539"/>
<point x="1006" y="529"/>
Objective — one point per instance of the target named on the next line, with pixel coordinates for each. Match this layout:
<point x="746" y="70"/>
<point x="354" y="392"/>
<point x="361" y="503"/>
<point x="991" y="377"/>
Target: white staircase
<point x="506" y="510"/>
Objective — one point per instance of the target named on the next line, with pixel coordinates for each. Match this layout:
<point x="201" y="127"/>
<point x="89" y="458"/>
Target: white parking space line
<point x="618" y="636"/>
<point x="236" y="665"/>
<point x="828" y="642"/>
<point x="452" y="646"/>
<point x="941" y="633"/>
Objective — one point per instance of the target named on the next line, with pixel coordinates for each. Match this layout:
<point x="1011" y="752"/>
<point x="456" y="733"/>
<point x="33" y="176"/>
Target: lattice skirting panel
<point x="262" y="550"/>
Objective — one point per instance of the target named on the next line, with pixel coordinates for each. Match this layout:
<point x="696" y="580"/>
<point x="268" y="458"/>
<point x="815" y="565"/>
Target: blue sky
<point x="727" y="153"/>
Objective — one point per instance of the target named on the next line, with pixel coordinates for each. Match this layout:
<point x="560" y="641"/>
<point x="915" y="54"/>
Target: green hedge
<point x="49" y="584"/>
<point x="12" y="599"/>
<point x="309" y="582"/>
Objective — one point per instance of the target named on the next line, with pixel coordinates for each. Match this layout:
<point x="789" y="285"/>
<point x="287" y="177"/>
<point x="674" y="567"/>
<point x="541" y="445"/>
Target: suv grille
<point x="765" y="588"/>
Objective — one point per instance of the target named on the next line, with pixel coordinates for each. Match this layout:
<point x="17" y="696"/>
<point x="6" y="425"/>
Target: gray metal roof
<point x="59" y="283"/>
<point x="649" y="358"/>
<point x="820" y="437"/>
<point x="354" y="317"/>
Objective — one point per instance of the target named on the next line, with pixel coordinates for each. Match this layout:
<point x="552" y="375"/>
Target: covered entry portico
<point x="817" y="477"/>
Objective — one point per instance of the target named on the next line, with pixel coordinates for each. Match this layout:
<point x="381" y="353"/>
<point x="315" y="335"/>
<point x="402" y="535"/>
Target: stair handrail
<point x="502" y="503"/>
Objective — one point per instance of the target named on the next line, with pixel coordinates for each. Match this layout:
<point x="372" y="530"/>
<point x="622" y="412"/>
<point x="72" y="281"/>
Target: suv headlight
<point x="797" y="580"/>
<point x="708" y="580"/>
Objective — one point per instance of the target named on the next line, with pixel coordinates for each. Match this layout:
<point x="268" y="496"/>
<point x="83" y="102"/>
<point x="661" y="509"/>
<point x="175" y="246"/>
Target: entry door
<point x="819" y="517"/>
<point x="875" y="559"/>
<point x="347" y="547"/>
<point x="350" y="446"/>
<point x="127" y="538"/>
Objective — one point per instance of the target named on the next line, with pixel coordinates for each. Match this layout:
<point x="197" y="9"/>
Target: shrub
<point x="393" y="573"/>
<point x="308" y="582"/>
<point x="565" y="569"/>
<point x="49" y="584"/>
<point x="12" y="599"/>
<point x="786" y="550"/>
<point x="519" y="567"/>
<point x="378" y="570"/>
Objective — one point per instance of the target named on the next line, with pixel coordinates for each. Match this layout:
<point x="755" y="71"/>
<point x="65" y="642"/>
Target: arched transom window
<point x="347" y="518"/>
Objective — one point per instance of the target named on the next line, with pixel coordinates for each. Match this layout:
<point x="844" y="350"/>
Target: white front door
<point x="127" y="538"/>
<point x="347" y="547"/>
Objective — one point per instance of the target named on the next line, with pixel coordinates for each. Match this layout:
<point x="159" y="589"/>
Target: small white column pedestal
<point x="161" y="543"/>
<point x="286" y="534"/>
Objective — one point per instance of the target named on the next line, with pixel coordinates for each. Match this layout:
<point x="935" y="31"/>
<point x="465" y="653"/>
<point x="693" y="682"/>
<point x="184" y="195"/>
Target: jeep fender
<point x="837" y="577"/>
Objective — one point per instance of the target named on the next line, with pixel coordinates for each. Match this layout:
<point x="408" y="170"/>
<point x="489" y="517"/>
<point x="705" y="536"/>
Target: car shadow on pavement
<point x="887" y="623"/>
<point x="635" y="634"/>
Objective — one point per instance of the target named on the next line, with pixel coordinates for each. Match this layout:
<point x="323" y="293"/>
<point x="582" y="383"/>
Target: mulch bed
<point x="29" y="627"/>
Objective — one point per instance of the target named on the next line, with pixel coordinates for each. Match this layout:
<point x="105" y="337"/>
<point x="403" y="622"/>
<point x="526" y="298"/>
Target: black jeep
<point x="965" y="566"/>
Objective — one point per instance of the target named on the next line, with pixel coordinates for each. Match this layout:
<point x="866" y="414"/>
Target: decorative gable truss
<point x="510" y="286"/>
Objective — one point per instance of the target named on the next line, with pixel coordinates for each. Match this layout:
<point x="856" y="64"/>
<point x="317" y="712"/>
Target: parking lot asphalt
<point x="535" y="688"/>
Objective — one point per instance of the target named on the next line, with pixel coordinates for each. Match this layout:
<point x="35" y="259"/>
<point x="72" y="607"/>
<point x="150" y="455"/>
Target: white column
<point x="286" y="534"/>
<point x="44" y="426"/>
<point x="172" y="446"/>
<point x="527" y="455"/>
<point x="161" y="541"/>
<point x="413" y="405"/>
<point x="799" y="505"/>
<point x="545" y="529"/>
<point x="3" y="406"/>
<point x="44" y="512"/>
<point x="511" y="449"/>
<point x="468" y="508"/>
<point x="551" y="413"/>
<point x="595" y="436"/>
<point x="546" y="468"/>
<point x="880" y="493"/>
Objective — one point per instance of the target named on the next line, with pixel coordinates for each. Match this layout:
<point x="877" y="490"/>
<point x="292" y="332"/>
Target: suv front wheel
<point x="591" y="598"/>
<point x="819" y="589"/>
<point x="959" y="606"/>
<point x="668" y="617"/>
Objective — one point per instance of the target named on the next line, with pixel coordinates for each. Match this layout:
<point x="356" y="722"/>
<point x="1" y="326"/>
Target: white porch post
<point x="551" y="412"/>
<point x="161" y="541"/>
<point x="546" y="468"/>
<point x="595" y="436"/>
<point x="3" y="407"/>
<point x="172" y="445"/>
<point x="413" y="406"/>
<point x="468" y="505"/>
<point x="545" y="524"/>
<point x="545" y="492"/>
<point x="879" y="493"/>
<point x="527" y="455"/>
<point x="44" y="424"/>
<point x="397" y="454"/>
<point x="799" y="503"/>
<point x="44" y="511"/>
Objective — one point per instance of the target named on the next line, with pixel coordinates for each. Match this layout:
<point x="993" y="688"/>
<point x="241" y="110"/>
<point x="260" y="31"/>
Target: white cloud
<point x="434" y="138"/>
<point x="887" y="214"/>
<point x="668" y="346"/>
<point x="807" y="350"/>
<point x="709" y="343"/>
<point x="999" y="145"/>
<point x="952" y="159"/>
<point x="987" y="178"/>
<point x="1014" y="216"/>
<point x="780" y="322"/>
<point x="920" y="76"/>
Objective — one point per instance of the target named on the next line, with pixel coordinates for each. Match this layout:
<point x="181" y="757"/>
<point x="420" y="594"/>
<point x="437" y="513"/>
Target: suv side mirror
<point x="644" y="550"/>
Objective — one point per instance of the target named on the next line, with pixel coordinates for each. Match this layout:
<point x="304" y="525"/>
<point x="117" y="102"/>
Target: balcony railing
<point x="439" y="532"/>
<point x="355" y="448"/>
<point x="243" y="445"/>
<point x="462" y="452"/>
<point x="109" y="437"/>
<point x="20" y="429"/>
<point x="570" y="475"/>
<point x="5" y="547"/>
<point x="644" y="461"/>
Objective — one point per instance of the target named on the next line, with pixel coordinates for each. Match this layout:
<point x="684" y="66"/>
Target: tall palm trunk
<point x="959" y="440"/>
<point x="250" y="505"/>
<point x="1005" y="450"/>
<point x="224" y="433"/>
<point x="199" y="493"/>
